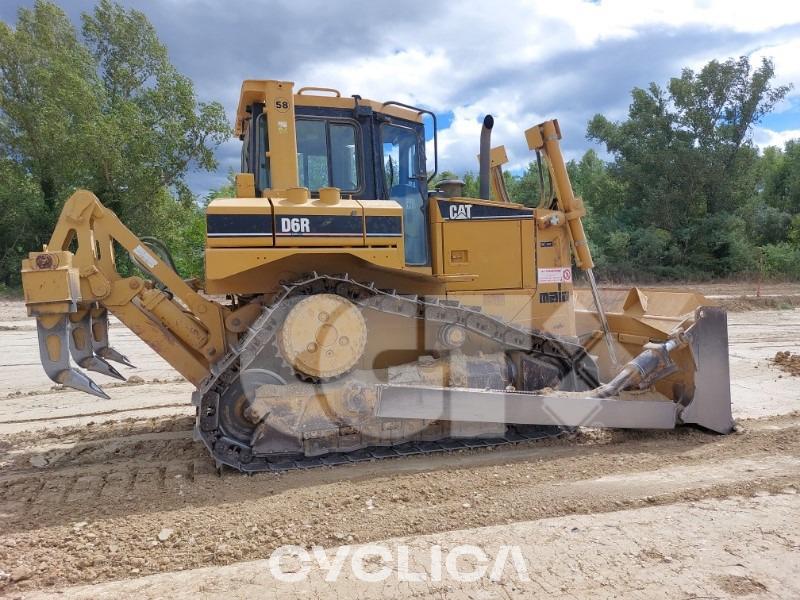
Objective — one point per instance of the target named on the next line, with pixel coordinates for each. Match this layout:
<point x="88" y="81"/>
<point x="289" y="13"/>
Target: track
<point x="161" y="456"/>
<point x="513" y="435"/>
<point x="576" y="369"/>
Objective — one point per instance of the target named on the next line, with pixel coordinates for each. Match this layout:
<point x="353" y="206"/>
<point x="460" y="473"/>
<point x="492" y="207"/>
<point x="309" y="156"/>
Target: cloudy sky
<point x="523" y="61"/>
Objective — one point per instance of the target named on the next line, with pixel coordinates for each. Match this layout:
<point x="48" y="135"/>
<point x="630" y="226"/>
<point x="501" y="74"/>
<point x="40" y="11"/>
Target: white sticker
<point x="558" y="275"/>
<point x="143" y="255"/>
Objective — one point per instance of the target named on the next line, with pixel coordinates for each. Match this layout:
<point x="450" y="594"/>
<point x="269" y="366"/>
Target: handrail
<point x="319" y="89"/>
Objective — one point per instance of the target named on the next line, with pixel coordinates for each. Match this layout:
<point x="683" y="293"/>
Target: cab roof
<point x="254" y="90"/>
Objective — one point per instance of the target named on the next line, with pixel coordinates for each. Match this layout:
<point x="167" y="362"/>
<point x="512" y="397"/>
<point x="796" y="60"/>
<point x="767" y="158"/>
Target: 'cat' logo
<point x="460" y="211"/>
<point x="295" y="225"/>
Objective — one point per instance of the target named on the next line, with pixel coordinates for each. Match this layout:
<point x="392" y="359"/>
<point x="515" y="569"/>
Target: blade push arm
<point x="70" y="295"/>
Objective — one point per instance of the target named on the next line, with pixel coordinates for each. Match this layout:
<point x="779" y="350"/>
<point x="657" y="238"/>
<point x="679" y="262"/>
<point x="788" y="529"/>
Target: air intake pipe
<point x="485" y="164"/>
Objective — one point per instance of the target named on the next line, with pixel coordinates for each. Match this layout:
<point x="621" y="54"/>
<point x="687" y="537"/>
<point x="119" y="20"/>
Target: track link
<point x="572" y="360"/>
<point x="513" y="435"/>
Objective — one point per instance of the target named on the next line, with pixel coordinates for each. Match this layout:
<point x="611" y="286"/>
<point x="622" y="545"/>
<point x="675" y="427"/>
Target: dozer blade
<point x="80" y="345"/>
<point x="100" y="338"/>
<point x="54" y="353"/>
<point x="711" y="404"/>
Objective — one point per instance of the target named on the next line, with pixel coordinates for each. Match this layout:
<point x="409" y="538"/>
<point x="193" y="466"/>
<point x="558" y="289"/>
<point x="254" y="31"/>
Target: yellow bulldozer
<point x="368" y="316"/>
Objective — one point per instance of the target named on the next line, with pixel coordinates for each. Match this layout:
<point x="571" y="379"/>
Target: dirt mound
<point x="788" y="362"/>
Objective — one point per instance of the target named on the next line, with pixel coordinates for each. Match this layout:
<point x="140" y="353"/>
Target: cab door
<point x="405" y="180"/>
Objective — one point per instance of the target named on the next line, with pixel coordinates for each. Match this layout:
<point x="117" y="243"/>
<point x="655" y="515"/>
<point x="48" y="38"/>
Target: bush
<point x="781" y="260"/>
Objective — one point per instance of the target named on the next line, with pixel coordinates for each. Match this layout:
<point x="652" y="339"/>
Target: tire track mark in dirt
<point x="95" y="515"/>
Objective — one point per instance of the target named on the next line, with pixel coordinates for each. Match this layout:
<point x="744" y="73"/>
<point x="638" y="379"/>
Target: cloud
<point x="521" y="60"/>
<point x="763" y="137"/>
<point x="784" y="54"/>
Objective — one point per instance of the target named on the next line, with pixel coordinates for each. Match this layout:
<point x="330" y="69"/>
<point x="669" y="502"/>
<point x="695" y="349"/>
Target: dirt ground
<point x="115" y="497"/>
<point x="758" y="559"/>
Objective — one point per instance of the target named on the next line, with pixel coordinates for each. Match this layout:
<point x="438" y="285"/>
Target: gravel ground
<point x="731" y="548"/>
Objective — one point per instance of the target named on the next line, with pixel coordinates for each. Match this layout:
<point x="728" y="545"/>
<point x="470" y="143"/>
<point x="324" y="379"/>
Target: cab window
<point x="327" y="155"/>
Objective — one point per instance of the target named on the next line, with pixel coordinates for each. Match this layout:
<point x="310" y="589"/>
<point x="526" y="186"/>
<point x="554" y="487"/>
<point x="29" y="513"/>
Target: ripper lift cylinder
<point x="550" y="137"/>
<point x="173" y="318"/>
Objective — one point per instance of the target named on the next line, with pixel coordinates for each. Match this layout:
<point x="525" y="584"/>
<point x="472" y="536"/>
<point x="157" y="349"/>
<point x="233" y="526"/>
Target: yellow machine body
<point x="337" y="259"/>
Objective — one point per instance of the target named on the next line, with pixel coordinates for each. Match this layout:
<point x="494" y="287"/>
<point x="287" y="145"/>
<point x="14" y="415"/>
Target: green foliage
<point x="472" y="185"/>
<point x="685" y="179"/>
<point x="793" y="234"/>
<point x="526" y="189"/>
<point x="104" y="110"/>
<point x="781" y="259"/>
<point x="187" y="242"/>
<point x="781" y="177"/>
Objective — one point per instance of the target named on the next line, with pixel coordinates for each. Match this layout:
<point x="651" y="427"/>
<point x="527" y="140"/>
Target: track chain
<point x="569" y="355"/>
<point x="513" y="435"/>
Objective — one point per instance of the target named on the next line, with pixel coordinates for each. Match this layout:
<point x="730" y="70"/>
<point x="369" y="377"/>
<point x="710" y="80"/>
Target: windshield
<point x="402" y="172"/>
<point x="327" y="155"/>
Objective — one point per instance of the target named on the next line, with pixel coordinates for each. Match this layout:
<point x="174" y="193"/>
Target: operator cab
<point x="366" y="149"/>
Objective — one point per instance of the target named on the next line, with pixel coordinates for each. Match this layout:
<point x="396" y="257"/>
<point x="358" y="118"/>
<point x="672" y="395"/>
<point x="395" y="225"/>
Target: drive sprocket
<point x="323" y="336"/>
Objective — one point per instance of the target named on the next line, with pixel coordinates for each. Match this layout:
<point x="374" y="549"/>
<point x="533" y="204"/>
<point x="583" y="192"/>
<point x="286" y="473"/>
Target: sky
<point x="523" y="61"/>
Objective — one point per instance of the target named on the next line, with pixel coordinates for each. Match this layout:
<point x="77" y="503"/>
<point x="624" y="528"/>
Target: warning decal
<point x="557" y="275"/>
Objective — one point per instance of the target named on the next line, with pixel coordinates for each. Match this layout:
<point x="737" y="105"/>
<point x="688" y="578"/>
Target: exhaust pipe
<point x="486" y="143"/>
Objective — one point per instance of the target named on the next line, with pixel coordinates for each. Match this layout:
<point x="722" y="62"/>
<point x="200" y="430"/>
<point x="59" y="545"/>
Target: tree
<point x="49" y="98"/>
<point x="604" y="197"/>
<point x="105" y="110"/>
<point x="156" y="129"/>
<point x="686" y="161"/>
<point x="781" y="177"/>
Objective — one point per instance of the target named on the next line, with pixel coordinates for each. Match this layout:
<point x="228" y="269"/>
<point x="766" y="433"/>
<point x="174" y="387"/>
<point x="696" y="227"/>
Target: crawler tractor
<point x="368" y="316"/>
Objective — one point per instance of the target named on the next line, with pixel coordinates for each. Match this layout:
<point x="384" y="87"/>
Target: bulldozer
<point x="353" y="310"/>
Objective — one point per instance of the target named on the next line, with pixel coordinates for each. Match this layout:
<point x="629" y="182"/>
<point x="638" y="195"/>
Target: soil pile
<point x="788" y="362"/>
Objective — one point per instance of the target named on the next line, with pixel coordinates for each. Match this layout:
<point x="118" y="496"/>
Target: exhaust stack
<point x="485" y="164"/>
